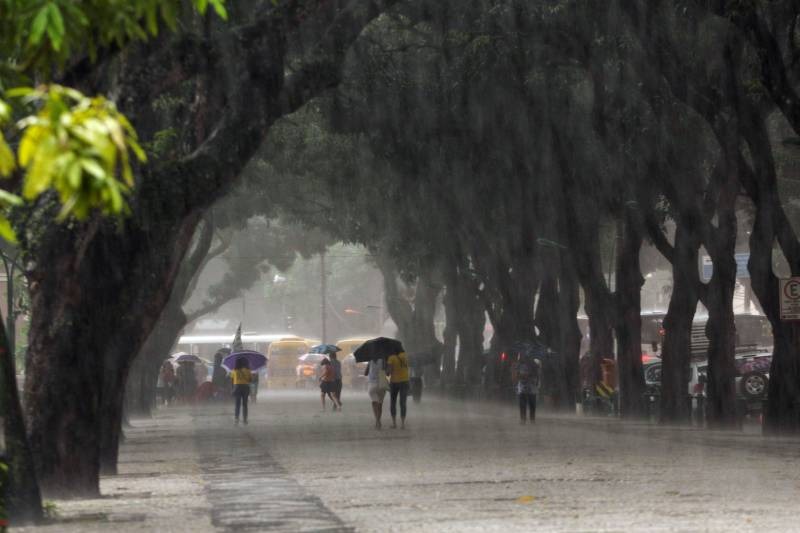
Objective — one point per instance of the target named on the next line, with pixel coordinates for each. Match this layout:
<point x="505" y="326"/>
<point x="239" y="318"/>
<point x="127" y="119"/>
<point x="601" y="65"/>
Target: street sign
<point x="790" y="298"/>
<point x="707" y="266"/>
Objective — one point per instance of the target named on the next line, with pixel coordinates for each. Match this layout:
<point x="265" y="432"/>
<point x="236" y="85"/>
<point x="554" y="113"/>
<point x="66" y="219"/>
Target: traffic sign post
<point x="790" y="298"/>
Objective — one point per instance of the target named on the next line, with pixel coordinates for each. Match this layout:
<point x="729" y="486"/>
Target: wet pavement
<point x="457" y="467"/>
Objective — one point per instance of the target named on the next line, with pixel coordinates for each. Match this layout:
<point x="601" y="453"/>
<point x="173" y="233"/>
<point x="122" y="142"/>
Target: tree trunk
<point x="470" y="324"/>
<point x="782" y="415"/>
<point x="415" y="323"/>
<point x="721" y="328"/>
<point x="598" y="301"/>
<point x="152" y="355"/>
<point x="116" y="368"/>
<point x="451" y="326"/>
<point x="629" y="318"/>
<point x="22" y="500"/>
<point x="570" y="342"/>
<point x="678" y="326"/>
<point x="75" y="380"/>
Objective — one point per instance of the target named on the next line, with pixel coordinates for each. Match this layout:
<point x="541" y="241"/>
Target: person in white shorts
<point x="377" y="383"/>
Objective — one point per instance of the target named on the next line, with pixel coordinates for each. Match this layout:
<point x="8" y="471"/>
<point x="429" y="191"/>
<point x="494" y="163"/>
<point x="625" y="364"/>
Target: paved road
<point x="458" y="467"/>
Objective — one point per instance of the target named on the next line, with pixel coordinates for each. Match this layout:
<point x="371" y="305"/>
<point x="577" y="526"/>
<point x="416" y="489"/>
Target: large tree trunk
<point x="598" y="300"/>
<point x="116" y="367"/>
<point x="678" y="326"/>
<point x="74" y="380"/>
<point x="570" y="342"/>
<point x="144" y="372"/>
<point x="450" y="332"/>
<point x="721" y="328"/>
<point x="782" y="415"/>
<point x="471" y="323"/>
<point x="629" y="316"/>
<point x="22" y="500"/>
<point x="414" y="319"/>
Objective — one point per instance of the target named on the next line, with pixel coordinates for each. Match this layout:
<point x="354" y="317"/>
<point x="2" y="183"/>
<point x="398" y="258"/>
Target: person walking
<point x="241" y="378"/>
<point x="166" y="382"/>
<point x="377" y="383"/>
<point x="398" y="386"/>
<point x="337" y="382"/>
<point x="525" y="373"/>
<point x="254" y="386"/>
<point x="219" y="377"/>
<point x="186" y="381"/>
<point x="327" y="383"/>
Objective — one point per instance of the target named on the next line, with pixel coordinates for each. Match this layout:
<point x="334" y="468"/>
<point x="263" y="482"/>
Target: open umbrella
<point x="325" y="349"/>
<point x="535" y="349"/>
<point x="311" y="358"/>
<point x="187" y="358"/>
<point x="377" y="348"/>
<point x="255" y="360"/>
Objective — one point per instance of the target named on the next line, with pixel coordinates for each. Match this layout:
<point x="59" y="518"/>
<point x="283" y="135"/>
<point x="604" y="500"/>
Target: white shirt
<point x="374" y="368"/>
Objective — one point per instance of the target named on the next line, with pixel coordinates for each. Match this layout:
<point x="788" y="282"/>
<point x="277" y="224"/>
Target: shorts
<point x="327" y="387"/>
<point x="376" y="393"/>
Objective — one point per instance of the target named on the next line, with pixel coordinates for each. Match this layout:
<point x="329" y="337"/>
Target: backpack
<point x="528" y="372"/>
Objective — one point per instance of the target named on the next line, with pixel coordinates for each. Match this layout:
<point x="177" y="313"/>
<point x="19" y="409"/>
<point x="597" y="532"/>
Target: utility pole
<point x="323" y="286"/>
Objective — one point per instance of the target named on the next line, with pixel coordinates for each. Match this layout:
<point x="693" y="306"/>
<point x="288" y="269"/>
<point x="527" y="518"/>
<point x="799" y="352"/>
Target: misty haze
<point x="399" y="265"/>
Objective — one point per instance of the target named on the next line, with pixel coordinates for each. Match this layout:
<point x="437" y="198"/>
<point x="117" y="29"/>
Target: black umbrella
<point x="377" y="348"/>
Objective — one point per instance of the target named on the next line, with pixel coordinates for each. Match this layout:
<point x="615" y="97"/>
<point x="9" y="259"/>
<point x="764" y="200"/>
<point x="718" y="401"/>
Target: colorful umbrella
<point x="255" y="360"/>
<point x="311" y="358"/>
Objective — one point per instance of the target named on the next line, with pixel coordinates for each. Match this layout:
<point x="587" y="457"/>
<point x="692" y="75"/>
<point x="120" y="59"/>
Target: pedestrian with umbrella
<point x="375" y="352"/>
<point x="241" y="377"/>
<point x="330" y="350"/>
<point x="186" y="376"/>
<point x="238" y="363"/>
<point x="525" y="375"/>
<point x="397" y="367"/>
<point x="327" y="384"/>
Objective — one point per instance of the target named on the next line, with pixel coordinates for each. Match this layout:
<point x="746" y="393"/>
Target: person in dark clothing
<point x="525" y="375"/>
<point x="337" y="370"/>
<point x="186" y="381"/>
<point x="219" y="378"/>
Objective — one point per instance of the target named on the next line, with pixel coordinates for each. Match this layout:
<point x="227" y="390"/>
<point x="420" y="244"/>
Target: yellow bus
<point x="282" y="360"/>
<point x="352" y="372"/>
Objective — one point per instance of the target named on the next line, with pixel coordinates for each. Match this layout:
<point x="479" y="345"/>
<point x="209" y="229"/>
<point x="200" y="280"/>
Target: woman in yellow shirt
<point x="398" y="386"/>
<point x="241" y="377"/>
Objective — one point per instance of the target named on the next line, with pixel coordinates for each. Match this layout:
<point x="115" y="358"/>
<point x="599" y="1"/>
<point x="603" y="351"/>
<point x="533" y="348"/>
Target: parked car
<point x="752" y="375"/>
<point x="652" y="374"/>
<point x="752" y="380"/>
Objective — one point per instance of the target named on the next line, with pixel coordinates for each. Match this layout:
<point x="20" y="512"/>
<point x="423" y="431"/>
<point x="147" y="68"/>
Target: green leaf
<point x="8" y="199"/>
<point x="20" y="92"/>
<point x="94" y="168"/>
<point x="55" y="30"/>
<point x="6" y="158"/>
<point x="219" y="9"/>
<point x="5" y="112"/>
<point x="6" y="231"/>
<point x="39" y="25"/>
